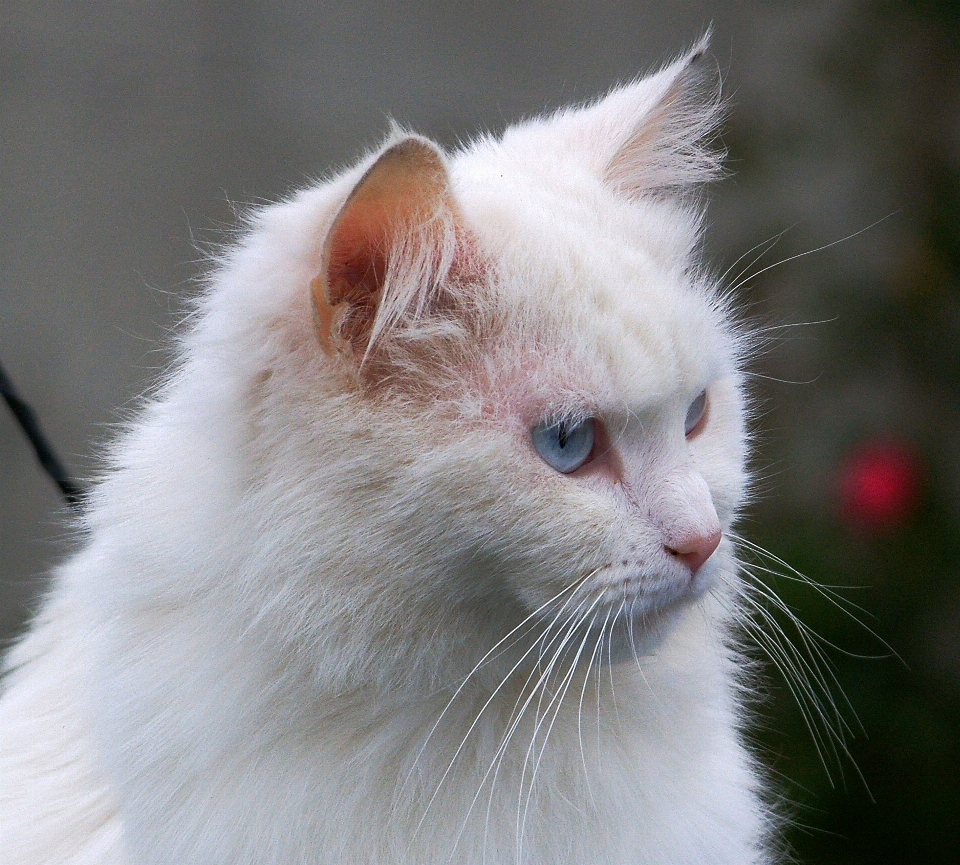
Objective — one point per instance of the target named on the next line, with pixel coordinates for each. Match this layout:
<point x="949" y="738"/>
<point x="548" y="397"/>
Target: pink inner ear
<point x="404" y="189"/>
<point x="356" y="269"/>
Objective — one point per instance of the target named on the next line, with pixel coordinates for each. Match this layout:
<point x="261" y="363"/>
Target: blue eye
<point x="695" y="415"/>
<point x="564" y="445"/>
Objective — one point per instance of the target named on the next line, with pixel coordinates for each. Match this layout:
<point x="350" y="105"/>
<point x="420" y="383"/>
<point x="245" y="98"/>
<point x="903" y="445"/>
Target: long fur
<point x="334" y="608"/>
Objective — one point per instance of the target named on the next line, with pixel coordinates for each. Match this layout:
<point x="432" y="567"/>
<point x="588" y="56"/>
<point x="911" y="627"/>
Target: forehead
<point x="651" y="330"/>
<point x="599" y="289"/>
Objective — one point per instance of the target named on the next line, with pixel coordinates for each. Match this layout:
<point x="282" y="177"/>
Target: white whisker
<point x="767" y="245"/>
<point x="806" y="671"/>
<point x="738" y="285"/>
<point x="556" y="701"/>
<point x="810" y="638"/>
<point x="517" y="714"/>
<point x="492" y="696"/>
<point x="841" y="603"/>
<point x="609" y="639"/>
<point x="583" y="690"/>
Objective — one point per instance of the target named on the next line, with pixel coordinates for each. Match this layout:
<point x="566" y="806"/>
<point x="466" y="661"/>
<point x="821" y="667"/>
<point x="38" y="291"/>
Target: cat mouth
<point x="621" y="617"/>
<point x="644" y="594"/>
<point x="640" y="593"/>
<point x="611" y="634"/>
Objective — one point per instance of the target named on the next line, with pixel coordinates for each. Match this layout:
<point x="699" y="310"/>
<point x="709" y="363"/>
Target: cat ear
<point x="390" y="243"/>
<point x="653" y="135"/>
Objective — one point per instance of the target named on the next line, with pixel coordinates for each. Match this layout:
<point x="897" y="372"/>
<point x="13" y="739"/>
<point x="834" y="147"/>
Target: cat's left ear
<point x="652" y="135"/>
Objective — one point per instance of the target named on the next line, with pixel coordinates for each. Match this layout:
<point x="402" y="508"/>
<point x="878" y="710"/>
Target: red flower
<point x="879" y="484"/>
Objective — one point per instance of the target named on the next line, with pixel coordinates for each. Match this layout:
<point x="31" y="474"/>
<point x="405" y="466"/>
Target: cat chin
<point x="630" y="638"/>
<point x="627" y="623"/>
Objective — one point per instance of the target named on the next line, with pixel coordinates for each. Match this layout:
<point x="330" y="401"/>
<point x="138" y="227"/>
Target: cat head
<point x="497" y="383"/>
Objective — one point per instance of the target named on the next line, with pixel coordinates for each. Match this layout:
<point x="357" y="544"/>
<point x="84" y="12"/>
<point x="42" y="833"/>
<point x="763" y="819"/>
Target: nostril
<point x="695" y="550"/>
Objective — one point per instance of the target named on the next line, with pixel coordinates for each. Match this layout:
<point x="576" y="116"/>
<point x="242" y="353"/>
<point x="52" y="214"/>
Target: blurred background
<point x="130" y="131"/>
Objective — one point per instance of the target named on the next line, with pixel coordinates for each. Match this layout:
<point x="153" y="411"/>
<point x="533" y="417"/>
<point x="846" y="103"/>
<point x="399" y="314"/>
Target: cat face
<point x="608" y="328"/>
<point x="521" y="391"/>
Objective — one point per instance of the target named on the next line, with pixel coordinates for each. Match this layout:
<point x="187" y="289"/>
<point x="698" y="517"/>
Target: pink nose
<point x="695" y="550"/>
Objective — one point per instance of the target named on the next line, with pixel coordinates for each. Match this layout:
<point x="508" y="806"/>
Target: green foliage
<point x="893" y="67"/>
<point x="896" y="797"/>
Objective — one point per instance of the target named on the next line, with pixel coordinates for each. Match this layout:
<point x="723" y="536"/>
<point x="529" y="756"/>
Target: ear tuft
<point x="652" y="136"/>
<point x="670" y="145"/>
<point x="389" y="243"/>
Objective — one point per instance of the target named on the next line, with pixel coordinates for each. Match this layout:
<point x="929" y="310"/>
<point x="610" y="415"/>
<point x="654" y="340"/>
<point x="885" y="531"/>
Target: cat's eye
<point x="696" y="415"/>
<point x="564" y="445"/>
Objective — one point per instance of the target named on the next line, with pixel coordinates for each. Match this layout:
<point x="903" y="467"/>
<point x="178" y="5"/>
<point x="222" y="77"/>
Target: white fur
<point x="268" y="650"/>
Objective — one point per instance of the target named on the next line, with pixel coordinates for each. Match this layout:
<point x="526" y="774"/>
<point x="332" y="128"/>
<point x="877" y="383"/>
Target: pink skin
<point x="694" y="549"/>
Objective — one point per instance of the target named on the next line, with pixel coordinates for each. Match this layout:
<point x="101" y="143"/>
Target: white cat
<point x="421" y="554"/>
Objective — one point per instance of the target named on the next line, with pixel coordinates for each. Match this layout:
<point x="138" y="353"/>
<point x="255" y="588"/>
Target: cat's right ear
<point x="391" y="241"/>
